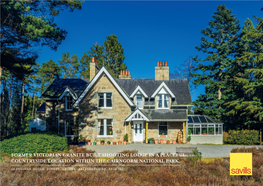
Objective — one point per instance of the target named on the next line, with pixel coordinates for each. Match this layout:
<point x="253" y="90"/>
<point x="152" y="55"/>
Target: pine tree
<point x="220" y="45"/>
<point x="249" y="77"/>
<point x="113" y="55"/>
<point x="84" y="66"/>
<point x="70" y="66"/>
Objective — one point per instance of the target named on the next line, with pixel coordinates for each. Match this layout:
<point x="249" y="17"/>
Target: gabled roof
<point x="163" y="85"/>
<point x="69" y="90"/>
<point x="140" y="90"/>
<point x="56" y="89"/>
<point x="102" y="71"/>
<point x="179" y="87"/>
<point x="137" y="115"/>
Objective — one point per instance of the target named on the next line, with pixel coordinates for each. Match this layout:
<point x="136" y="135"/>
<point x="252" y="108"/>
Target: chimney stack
<point x="124" y="74"/>
<point x="93" y="68"/>
<point x="161" y="71"/>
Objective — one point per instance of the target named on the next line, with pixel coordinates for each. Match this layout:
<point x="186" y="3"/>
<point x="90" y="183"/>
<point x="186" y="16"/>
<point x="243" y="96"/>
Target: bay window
<point x="163" y="101"/>
<point x="105" y="127"/>
<point x="105" y="100"/>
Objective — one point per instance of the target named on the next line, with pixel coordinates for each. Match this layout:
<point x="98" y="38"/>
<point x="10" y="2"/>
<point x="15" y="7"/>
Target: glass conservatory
<point x="204" y="129"/>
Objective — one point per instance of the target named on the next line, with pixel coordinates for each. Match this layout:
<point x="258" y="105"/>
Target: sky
<point x="149" y="31"/>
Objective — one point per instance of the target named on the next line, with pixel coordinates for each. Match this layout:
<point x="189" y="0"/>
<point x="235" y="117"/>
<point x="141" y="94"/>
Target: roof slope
<point x="59" y="85"/>
<point x="179" y="87"/>
<point x="166" y="114"/>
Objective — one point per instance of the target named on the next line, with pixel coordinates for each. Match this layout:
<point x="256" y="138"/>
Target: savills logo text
<point x="240" y="164"/>
<point x="245" y="170"/>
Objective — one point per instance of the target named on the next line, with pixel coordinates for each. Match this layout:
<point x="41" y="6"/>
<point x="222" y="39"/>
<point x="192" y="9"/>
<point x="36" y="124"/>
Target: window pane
<point x="108" y="97"/>
<point x="202" y="119"/>
<point x="166" y="103"/>
<point x="69" y="125"/>
<point x="190" y="119"/>
<point x="204" y="129"/>
<point x="190" y="130"/>
<point x="196" y="120"/>
<point x="135" y="128"/>
<point x="196" y="130"/>
<point x="140" y="128"/>
<point x="101" y="100"/>
<point x="160" y="104"/>
<point x="220" y="129"/>
<point x="211" y="130"/>
<point x="101" y="127"/>
<point x="162" y="130"/>
<point x="109" y="127"/>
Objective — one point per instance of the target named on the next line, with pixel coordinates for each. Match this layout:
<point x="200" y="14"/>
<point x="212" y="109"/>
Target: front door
<point x="138" y="134"/>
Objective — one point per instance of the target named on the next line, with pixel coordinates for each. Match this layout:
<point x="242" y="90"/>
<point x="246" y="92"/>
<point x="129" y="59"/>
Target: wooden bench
<point x="185" y="151"/>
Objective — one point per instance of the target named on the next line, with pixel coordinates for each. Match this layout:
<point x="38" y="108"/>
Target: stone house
<point x="104" y="107"/>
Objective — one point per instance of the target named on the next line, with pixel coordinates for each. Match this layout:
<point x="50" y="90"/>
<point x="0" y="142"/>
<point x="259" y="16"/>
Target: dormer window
<point x="68" y="103"/>
<point x="139" y="101"/>
<point x="162" y="101"/>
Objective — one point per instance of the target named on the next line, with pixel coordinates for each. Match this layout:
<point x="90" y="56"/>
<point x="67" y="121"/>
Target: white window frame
<point x="65" y="126"/>
<point x="208" y="125"/>
<point x="105" y="127"/>
<point x="137" y="100"/>
<point x="104" y="100"/>
<point x="163" y="96"/>
<point x="159" y="129"/>
<point x="67" y="102"/>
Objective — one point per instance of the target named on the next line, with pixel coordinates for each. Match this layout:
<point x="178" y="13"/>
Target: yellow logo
<point x="240" y="163"/>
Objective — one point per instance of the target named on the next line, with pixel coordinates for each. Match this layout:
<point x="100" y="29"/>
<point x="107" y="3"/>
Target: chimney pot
<point x="93" y="59"/>
<point x="126" y="73"/>
<point x="163" y="63"/>
<point x="166" y="63"/>
<point x="129" y="73"/>
<point x="157" y="63"/>
<point x="121" y="72"/>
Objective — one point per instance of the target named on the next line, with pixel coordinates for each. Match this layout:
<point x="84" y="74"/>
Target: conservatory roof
<point x="201" y="119"/>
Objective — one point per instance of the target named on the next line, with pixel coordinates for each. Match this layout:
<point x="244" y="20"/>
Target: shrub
<point x="34" y="143"/>
<point x="125" y="137"/>
<point x="243" y="137"/>
<point x="225" y="136"/>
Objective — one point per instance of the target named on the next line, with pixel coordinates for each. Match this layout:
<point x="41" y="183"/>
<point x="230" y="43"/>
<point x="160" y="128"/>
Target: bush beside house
<point x="241" y="137"/>
<point x="34" y="143"/>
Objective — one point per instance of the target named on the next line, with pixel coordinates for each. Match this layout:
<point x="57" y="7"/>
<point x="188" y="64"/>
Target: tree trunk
<point x="22" y="104"/>
<point x="219" y="89"/>
<point x="8" y="106"/>
<point x="33" y="107"/>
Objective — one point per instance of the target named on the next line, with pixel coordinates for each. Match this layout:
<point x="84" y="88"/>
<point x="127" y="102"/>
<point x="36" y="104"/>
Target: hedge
<point x="34" y="143"/>
<point x="242" y="137"/>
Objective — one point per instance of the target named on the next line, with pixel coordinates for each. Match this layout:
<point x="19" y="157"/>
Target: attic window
<point x="68" y="103"/>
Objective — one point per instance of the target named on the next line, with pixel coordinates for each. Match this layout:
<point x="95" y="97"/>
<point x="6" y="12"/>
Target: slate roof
<point x="179" y="87"/>
<point x="165" y="114"/>
<point x="42" y="108"/>
<point x="59" y="85"/>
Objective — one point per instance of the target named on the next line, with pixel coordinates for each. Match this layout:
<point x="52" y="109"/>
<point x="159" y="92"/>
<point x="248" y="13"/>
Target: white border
<point x="138" y="89"/>
<point x="65" y="91"/>
<point x="93" y="81"/>
<point x="166" y="88"/>
<point x="139" y="119"/>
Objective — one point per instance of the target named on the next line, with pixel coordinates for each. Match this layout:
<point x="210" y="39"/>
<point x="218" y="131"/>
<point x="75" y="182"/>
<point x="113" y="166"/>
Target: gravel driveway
<point x="208" y="151"/>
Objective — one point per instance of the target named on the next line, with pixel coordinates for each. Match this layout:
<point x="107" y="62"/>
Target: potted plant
<point x="179" y="142"/>
<point x="81" y="140"/>
<point x="94" y="143"/>
<point x="168" y="142"/>
<point x="125" y="139"/>
<point x="110" y="132"/>
<point x="156" y="141"/>
<point x="114" y="143"/>
<point x="119" y="142"/>
<point x="174" y="141"/>
<point x="161" y="141"/>
<point x="108" y="142"/>
<point x="188" y="140"/>
<point x="150" y="140"/>
<point x="89" y="143"/>
<point x="102" y="142"/>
